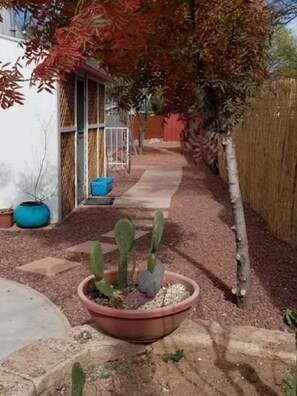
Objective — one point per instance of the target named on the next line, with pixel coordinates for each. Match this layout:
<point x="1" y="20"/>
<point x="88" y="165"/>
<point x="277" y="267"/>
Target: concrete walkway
<point x="26" y="316"/>
<point x="155" y="189"/>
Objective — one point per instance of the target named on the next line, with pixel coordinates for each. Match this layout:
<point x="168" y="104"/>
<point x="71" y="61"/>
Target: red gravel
<point x="198" y="242"/>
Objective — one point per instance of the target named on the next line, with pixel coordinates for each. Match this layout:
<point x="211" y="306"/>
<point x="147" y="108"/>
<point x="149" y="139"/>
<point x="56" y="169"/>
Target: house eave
<point x="97" y="73"/>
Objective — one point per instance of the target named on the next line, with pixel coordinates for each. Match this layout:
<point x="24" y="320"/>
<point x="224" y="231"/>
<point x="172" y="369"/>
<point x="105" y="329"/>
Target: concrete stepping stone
<point x="138" y="234"/>
<point x="27" y="316"/>
<point x="148" y="214"/>
<point x="143" y="223"/>
<point x="85" y="247"/>
<point x="49" y="266"/>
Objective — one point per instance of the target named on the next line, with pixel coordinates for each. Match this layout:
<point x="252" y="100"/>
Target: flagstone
<point x="143" y="223"/>
<point x="85" y="247"/>
<point x="138" y="234"/>
<point x="48" y="266"/>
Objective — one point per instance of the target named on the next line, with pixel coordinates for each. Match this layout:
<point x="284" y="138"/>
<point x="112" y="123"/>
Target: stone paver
<point x="48" y="266"/>
<point x="138" y="234"/>
<point x="154" y="189"/>
<point x="148" y="214"/>
<point x="143" y="223"/>
<point x="26" y="316"/>
<point x="85" y="247"/>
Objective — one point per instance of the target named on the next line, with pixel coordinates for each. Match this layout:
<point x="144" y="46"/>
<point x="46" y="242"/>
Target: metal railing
<point x="117" y="150"/>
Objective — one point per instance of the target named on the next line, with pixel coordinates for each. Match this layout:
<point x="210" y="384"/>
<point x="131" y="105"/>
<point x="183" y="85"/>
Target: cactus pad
<point x="96" y="260"/>
<point x="104" y="287"/>
<point x="124" y="235"/>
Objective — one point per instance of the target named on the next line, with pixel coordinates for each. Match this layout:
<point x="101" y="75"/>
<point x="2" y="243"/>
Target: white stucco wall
<point x="21" y="139"/>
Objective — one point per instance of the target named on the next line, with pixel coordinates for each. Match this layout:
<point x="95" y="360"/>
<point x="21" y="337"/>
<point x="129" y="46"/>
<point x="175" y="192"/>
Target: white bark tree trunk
<point x="244" y="278"/>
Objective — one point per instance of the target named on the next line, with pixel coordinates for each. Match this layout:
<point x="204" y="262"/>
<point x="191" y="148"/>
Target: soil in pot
<point x="133" y="298"/>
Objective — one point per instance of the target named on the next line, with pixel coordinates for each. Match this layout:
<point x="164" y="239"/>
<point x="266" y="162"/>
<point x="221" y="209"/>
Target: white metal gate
<point x="117" y="152"/>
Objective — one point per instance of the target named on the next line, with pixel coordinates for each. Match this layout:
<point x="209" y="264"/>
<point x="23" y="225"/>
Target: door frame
<point x="85" y="145"/>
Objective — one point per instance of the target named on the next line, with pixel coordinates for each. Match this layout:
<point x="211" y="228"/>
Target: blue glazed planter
<point x="31" y="215"/>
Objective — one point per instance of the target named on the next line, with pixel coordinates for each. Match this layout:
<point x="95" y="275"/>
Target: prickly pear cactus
<point x="124" y="236"/>
<point x="104" y="287"/>
<point x="97" y="267"/>
<point x="150" y="282"/>
<point x="135" y="299"/>
<point x="78" y="380"/>
<point x="157" y="232"/>
<point x="96" y="260"/>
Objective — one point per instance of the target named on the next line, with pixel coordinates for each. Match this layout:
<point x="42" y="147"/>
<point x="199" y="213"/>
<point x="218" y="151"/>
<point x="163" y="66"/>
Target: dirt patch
<point x="204" y="373"/>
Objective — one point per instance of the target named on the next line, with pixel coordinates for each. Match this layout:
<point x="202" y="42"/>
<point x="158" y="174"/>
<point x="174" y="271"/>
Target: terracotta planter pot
<point x="6" y="218"/>
<point x="137" y="325"/>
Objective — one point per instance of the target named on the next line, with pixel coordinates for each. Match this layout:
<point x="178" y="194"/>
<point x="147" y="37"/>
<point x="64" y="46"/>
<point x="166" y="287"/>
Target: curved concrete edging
<point x="25" y="316"/>
<point x="39" y="368"/>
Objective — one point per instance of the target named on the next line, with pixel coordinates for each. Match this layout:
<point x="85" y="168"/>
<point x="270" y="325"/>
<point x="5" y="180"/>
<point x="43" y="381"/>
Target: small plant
<point x="36" y="180"/>
<point x="150" y="280"/>
<point x="97" y="267"/>
<point x="174" y="357"/>
<point x="124" y="236"/>
<point x="78" y="379"/>
<point x="157" y="232"/>
<point x="289" y="385"/>
<point x="6" y="211"/>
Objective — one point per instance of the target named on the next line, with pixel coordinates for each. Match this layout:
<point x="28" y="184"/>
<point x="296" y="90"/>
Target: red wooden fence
<point x="167" y="128"/>
<point x="172" y="128"/>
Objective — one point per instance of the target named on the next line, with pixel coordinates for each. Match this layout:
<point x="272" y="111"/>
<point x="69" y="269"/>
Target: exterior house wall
<point x="9" y="26"/>
<point x="22" y="139"/>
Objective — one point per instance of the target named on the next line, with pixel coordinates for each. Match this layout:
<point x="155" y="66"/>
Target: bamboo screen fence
<point x="101" y="103"/>
<point x="101" y="152"/>
<point x="67" y="152"/>
<point x="67" y="172"/>
<point x="266" y="148"/>
<point x="92" y="154"/>
<point x="67" y="102"/>
<point x="92" y="102"/>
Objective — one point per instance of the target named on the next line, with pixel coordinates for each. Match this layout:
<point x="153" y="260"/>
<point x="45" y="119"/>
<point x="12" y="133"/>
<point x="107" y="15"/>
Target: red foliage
<point x="178" y="45"/>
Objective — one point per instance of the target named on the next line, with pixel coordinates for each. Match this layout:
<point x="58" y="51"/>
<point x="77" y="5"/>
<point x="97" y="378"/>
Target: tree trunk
<point x="244" y="278"/>
<point x="140" y="140"/>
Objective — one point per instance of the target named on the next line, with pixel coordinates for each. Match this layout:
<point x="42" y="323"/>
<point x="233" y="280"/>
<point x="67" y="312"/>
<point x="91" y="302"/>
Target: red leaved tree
<point x="205" y="55"/>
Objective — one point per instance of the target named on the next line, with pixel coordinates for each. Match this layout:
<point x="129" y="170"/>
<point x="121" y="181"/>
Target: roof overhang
<point x="97" y="73"/>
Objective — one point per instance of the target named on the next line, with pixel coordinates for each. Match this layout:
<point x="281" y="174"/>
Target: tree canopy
<point x="210" y="51"/>
<point x="286" y="10"/>
<point x="284" y="54"/>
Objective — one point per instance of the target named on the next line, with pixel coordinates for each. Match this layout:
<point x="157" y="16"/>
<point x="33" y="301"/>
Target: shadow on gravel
<point x="273" y="261"/>
<point x="223" y="373"/>
<point x="217" y="282"/>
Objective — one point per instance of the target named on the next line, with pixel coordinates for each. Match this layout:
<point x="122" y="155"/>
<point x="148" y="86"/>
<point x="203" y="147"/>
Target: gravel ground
<point x="197" y="242"/>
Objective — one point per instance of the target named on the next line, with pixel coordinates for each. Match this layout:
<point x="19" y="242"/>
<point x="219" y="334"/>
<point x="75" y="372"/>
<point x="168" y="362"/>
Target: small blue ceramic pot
<point x="31" y="214"/>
